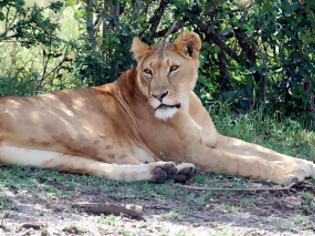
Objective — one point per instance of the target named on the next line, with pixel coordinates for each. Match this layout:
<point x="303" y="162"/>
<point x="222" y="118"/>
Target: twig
<point x="267" y="189"/>
<point x="158" y="207"/>
<point x="244" y="8"/>
<point x="111" y="208"/>
<point x="171" y="29"/>
<point x="163" y="32"/>
<point x="31" y="226"/>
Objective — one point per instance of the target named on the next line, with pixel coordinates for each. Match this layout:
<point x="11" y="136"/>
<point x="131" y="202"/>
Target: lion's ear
<point x="139" y="48"/>
<point x="188" y="43"/>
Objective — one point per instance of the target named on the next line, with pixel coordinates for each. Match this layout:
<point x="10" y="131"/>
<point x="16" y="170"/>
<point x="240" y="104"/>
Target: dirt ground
<point x="39" y="202"/>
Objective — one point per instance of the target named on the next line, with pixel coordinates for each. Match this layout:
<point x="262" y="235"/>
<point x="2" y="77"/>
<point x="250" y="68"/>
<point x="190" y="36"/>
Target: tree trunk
<point x="224" y="74"/>
<point x="104" y="30"/>
<point x="90" y="24"/>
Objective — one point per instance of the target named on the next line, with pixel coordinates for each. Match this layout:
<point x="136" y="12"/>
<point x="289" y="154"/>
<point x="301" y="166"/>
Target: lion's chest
<point x="165" y="142"/>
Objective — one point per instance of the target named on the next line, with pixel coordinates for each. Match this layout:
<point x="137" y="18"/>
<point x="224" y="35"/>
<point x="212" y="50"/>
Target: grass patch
<point x="230" y="209"/>
<point x="172" y="215"/>
<point x="6" y="203"/>
<point x="124" y="231"/>
<point x="308" y="204"/>
<point x="298" y="220"/>
<point x="225" y="231"/>
<point x="108" y="220"/>
<point x="74" y="229"/>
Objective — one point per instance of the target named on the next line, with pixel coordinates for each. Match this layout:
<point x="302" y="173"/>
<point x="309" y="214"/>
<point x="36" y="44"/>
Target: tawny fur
<point x="114" y="129"/>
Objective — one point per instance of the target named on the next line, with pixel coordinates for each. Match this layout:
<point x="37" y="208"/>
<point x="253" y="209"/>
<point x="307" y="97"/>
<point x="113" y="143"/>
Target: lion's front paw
<point x="185" y="171"/>
<point x="163" y="171"/>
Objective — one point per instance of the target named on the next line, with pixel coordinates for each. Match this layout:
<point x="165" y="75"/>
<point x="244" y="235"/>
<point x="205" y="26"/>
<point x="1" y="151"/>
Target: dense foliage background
<point x="257" y="54"/>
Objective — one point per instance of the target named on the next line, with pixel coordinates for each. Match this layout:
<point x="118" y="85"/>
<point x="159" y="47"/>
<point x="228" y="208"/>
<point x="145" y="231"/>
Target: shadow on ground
<point x="36" y="201"/>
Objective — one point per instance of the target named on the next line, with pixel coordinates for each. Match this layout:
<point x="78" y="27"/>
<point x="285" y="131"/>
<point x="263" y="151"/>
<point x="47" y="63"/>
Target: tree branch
<point x="308" y="87"/>
<point x="177" y="26"/>
<point x="249" y="48"/>
<point x="213" y="36"/>
<point x="266" y="189"/>
<point x="90" y="24"/>
<point x="224" y="74"/>
<point x="243" y="8"/>
<point x="155" y="20"/>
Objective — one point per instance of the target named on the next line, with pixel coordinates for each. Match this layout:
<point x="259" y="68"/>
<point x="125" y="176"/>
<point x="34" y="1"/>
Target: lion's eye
<point x="174" y="68"/>
<point x="147" y="71"/>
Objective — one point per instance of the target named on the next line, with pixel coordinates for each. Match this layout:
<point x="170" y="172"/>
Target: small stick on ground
<point x="132" y="210"/>
<point x="267" y="189"/>
<point x="158" y="207"/>
<point x="31" y="226"/>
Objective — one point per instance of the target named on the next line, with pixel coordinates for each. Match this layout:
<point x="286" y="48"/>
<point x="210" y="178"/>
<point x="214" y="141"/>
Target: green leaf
<point x="71" y="3"/>
<point x="2" y="17"/>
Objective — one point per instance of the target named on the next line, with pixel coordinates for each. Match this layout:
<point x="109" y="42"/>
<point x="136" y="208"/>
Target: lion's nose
<point x="160" y="96"/>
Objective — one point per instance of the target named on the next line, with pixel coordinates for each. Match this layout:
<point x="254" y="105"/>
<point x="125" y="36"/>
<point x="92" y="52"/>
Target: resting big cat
<point x="147" y="125"/>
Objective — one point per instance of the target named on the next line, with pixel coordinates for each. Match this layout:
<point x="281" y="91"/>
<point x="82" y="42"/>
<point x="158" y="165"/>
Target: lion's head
<point x="167" y="72"/>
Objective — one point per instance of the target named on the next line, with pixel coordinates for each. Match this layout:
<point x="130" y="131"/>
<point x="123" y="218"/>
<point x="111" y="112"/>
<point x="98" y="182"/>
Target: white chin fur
<point x="164" y="114"/>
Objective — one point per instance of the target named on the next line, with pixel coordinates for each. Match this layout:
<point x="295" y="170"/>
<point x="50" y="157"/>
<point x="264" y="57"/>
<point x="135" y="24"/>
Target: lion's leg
<point x="215" y="160"/>
<point x="156" y="172"/>
<point x="239" y="146"/>
<point x="223" y="157"/>
<point x="300" y="167"/>
<point x="236" y="157"/>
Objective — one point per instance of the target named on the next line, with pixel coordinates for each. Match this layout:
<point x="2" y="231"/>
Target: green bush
<point x="257" y="54"/>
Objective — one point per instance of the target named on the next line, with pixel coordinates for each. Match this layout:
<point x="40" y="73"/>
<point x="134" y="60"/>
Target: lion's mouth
<point x="165" y="106"/>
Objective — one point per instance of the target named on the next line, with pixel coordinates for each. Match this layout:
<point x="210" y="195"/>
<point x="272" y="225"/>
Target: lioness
<point x="137" y="127"/>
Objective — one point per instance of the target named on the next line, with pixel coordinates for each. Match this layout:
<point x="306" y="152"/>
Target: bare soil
<point x="39" y="202"/>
